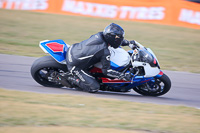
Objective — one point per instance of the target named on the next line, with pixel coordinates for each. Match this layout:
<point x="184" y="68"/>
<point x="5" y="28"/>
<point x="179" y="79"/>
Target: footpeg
<point x="61" y="79"/>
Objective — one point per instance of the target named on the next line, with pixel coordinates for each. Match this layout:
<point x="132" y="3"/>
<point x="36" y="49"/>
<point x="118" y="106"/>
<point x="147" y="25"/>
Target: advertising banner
<point x="168" y="12"/>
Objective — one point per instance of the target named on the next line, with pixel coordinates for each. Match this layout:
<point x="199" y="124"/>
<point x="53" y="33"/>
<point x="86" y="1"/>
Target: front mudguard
<point x="159" y="75"/>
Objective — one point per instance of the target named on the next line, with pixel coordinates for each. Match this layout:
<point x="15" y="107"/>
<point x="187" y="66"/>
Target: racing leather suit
<point x="81" y="56"/>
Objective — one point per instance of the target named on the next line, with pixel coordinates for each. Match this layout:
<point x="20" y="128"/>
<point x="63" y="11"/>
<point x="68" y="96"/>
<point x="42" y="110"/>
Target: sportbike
<point x="141" y="63"/>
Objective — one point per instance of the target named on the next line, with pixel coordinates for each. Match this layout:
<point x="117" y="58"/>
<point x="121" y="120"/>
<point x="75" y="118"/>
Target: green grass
<point x="25" y="109"/>
<point x="61" y="129"/>
<point x="177" y="48"/>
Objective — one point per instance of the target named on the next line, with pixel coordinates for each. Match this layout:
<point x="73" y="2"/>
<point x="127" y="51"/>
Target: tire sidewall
<point x="167" y="85"/>
<point x="44" y="62"/>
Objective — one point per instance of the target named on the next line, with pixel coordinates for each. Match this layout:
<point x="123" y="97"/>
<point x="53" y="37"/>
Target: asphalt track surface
<point x="15" y="75"/>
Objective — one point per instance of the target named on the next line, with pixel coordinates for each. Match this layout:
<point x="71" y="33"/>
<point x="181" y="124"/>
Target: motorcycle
<point x="141" y="63"/>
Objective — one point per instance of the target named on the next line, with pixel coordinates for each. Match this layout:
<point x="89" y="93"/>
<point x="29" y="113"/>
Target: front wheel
<point x="156" y="87"/>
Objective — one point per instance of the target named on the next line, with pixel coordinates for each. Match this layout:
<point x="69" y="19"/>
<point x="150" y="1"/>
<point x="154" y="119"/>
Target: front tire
<point x="42" y="69"/>
<point x="157" y="87"/>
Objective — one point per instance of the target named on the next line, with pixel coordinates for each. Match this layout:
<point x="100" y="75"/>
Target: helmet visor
<point x="119" y="39"/>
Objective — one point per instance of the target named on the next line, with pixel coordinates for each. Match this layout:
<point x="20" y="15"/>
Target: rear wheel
<point x="42" y="71"/>
<point x="156" y="87"/>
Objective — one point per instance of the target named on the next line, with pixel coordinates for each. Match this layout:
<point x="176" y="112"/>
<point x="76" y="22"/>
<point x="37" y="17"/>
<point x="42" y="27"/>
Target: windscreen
<point x="145" y="56"/>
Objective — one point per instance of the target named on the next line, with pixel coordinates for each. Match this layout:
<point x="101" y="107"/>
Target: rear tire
<point x="42" y="69"/>
<point x="157" y="88"/>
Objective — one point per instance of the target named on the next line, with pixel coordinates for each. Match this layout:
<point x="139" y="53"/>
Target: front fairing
<point x="145" y="60"/>
<point x="143" y="55"/>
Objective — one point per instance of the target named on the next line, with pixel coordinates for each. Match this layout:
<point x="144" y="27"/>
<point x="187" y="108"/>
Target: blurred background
<point x="171" y="28"/>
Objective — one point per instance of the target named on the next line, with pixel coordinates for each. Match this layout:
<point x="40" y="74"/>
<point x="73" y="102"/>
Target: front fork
<point x="152" y="82"/>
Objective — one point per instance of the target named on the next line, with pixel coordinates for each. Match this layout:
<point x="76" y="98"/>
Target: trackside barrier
<point x="168" y="12"/>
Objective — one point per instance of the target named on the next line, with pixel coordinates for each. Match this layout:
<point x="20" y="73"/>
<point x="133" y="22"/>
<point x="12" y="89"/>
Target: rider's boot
<point x="61" y="78"/>
<point x="74" y="81"/>
<point x="80" y="85"/>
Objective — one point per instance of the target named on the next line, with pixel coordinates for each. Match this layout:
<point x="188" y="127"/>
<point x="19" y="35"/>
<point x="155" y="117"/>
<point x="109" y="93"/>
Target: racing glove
<point x="132" y="44"/>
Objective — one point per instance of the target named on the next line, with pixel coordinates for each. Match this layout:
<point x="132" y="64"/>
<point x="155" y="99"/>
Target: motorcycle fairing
<point x="112" y="65"/>
<point x="115" y="66"/>
<point x="159" y="75"/>
<point x="121" y="84"/>
<point x="107" y="80"/>
<point x="56" y="48"/>
<point x="119" y="59"/>
<point x="136" y="81"/>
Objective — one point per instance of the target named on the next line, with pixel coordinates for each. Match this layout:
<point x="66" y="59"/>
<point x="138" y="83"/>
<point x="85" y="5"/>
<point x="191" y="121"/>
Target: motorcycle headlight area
<point x="146" y="60"/>
<point x="143" y="56"/>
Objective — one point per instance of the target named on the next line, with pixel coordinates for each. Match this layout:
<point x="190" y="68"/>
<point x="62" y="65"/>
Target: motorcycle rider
<point x="83" y="55"/>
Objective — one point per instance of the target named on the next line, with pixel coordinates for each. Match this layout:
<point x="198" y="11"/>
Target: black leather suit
<point x="81" y="56"/>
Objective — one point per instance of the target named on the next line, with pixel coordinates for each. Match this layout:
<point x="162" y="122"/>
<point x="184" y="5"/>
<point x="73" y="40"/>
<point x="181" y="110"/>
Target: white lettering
<point x="156" y="13"/>
<point x="104" y="10"/>
<point x="124" y="12"/>
<point x="111" y="11"/>
<point x="68" y="5"/>
<point x="142" y="13"/>
<point x="18" y="4"/>
<point x="79" y="8"/>
<point x="1" y="3"/>
<point x="9" y="4"/>
<point x="92" y="9"/>
<point x="190" y="16"/>
<point x="89" y="9"/>
<point x="25" y="4"/>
